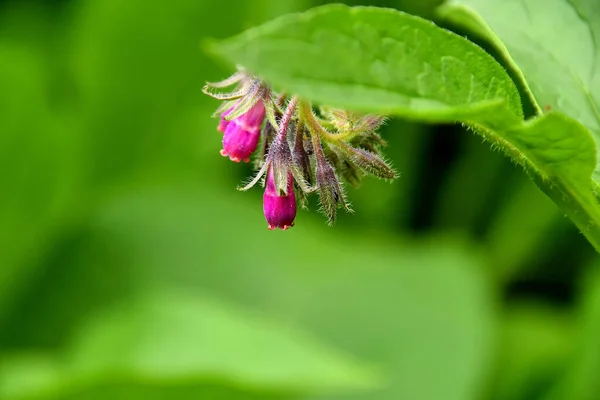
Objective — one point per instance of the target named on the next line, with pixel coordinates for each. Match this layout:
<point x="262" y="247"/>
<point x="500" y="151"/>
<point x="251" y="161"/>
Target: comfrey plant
<point x="298" y="150"/>
<point x="383" y="61"/>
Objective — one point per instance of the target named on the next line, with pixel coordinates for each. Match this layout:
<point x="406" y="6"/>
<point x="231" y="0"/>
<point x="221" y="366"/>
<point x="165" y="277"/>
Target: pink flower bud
<point x="280" y="211"/>
<point x="243" y="134"/>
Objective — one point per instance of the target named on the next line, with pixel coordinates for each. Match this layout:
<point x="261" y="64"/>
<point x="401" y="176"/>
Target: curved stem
<point x="287" y="117"/>
<point x="316" y="128"/>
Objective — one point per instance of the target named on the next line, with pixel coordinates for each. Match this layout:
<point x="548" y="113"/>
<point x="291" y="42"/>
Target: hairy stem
<point x="287" y="117"/>
<point x="316" y="128"/>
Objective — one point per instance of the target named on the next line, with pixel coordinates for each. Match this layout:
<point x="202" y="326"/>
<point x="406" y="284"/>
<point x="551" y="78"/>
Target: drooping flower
<point x="242" y="134"/>
<point x="279" y="208"/>
<point x="302" y="150"/>
<point x="241" y="115"/>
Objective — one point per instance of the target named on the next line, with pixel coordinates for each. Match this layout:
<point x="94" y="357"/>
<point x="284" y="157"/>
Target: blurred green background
<point x="131" y="268"/>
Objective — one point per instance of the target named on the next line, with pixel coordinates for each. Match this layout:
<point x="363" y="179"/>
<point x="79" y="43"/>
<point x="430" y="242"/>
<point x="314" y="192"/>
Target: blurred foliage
<point x="131" y="268"/>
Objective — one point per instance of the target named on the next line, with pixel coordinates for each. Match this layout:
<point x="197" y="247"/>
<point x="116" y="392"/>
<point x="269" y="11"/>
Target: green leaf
<point x="565" y="150"/>
<point x="174" y="337"/>
<point x="553" y="45"/>
<point x="384" y="61"/>
<point x="172" y="341"/>
<point x="374" y="59"/>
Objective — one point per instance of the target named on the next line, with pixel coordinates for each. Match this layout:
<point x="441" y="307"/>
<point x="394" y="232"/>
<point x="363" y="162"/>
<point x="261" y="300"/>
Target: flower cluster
<point x="300" y="151"/>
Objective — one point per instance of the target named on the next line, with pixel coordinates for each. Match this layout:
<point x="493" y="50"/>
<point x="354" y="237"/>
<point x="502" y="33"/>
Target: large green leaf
<point x="553" y="45"/>
<point x="566" y="151"/>
<point x="171" y="341"/>
<point x="380" y="60"/>
<point x="375" y="59"/>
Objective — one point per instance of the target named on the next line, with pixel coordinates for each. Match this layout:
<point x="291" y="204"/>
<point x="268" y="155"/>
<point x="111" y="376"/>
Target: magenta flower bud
<point x="280" y="211"/>
<point x="242" y="134"/>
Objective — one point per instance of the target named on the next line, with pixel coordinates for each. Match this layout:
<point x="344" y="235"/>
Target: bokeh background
<point x="131" y="268"/>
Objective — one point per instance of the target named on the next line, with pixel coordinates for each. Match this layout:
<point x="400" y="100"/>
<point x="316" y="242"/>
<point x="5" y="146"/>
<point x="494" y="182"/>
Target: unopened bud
<point x="369" y="162"/>
<point x="243" y="133"/>
<point x="331" y="193"/>
<point x="280" y="210"/>
<point x="347" y="169"/>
